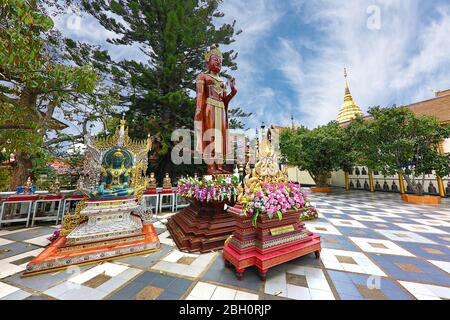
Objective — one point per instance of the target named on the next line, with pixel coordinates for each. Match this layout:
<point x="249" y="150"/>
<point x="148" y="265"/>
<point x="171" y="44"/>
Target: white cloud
<point x="257" y="19"/>
<point x="86" y="28"/>
<point x="395" y="64"/>
<point x="292" y="54"/>
<point x="434" y="54"/>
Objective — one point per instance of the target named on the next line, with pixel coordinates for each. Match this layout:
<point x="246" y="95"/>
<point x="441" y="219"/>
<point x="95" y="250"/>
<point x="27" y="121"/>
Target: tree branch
<point x="15" y="127"/>
<point x="62" y="138"/>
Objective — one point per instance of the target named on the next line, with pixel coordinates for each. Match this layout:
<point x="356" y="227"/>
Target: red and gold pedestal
<point x="270" y="243"/>
<point x="201" y="227"/>
<point x="59" y="256"/>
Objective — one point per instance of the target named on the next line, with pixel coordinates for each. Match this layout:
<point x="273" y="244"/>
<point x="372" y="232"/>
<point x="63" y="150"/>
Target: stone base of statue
<point x="111" y="231"/>
<point x="270" y="243"/>
<point x="201" y="227"/>
<point x="107" y="219"/>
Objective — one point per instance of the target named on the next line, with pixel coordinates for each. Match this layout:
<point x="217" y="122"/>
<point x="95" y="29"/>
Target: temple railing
<point x="362" y="178"/>
<point x="46" y="206"/>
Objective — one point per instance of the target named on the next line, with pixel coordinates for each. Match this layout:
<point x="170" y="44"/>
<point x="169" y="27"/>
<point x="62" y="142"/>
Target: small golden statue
<point x="4" y="156"/>
<point x="152" y="182"/>
<point x="28" y="187"/>
<point x="56" y="187"/>
<point x="167" y="183"/>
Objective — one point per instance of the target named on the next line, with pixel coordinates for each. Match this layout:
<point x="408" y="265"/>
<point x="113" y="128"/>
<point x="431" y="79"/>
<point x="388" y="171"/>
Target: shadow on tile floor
<point x="153" y="286"/>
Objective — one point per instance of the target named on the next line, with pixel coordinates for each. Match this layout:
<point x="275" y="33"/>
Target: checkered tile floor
<point x="374" y="247"/>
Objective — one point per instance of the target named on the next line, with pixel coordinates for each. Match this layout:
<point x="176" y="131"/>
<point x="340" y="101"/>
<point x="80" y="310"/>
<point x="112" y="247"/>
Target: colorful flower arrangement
<point x="54" y="236"/>
<point x="209" y="188"/>
<point x="309" y="213"/>
<point x="276" y="198"/>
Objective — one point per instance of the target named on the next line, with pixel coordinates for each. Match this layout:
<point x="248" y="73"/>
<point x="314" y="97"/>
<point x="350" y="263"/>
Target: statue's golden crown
<point x="214" y="50"/>
<point x="119" y="154"/>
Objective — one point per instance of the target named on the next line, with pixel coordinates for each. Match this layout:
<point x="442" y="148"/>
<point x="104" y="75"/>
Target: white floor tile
<point x="6" y="289"/>
<point x="110" y="269"/>
<point x="367" y="218"/>
<point x="5" y="242"/>
<point x="203" y="290"/>
<point x="40" y="241"/>
<point x="347" y="223"/>
<point x="370" y="245"/>
<point x="404" y="236"/>
<point x="426" y="291"/>
<point x="384" y="214"/>
<point x="321" y="294"/>
<point x="222" y="293"/>
<point x="83" y="277"/>
<point x="420" y="228"/>
<point x="432" y="222"/>
<point x="444" y="265"/>
<point x="242" y="295"/>
<point x="298" y="293"/>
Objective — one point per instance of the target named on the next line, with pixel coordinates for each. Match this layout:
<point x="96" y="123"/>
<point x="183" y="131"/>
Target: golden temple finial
<point x="349" y="109"/>
<point x="122" y="121"/>
<point x="347" y="87"/>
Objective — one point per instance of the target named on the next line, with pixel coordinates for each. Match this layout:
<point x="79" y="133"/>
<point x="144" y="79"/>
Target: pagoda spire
<point x="349" y="109"/>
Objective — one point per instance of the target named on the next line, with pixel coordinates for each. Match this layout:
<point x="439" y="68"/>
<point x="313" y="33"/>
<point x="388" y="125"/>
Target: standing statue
<point x="211" y="116"/>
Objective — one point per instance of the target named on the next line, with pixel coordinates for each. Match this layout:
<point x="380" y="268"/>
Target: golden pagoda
<point x="349" y="109"/>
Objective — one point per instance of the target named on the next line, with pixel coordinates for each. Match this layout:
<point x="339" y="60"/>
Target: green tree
<point x="37" y="82"/>
<point x="394" y="140"/>
<point x="318" y="151"/>
<point x="173" y="35"/>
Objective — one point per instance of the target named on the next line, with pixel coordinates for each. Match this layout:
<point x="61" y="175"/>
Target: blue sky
<point x="292" y="54"/>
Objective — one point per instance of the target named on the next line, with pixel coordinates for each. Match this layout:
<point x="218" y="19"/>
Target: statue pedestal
<point x="201" y="227"/>
<point x="107" y="219"/>
<point x="110" y="232"/>
<point x="270" y="243"/>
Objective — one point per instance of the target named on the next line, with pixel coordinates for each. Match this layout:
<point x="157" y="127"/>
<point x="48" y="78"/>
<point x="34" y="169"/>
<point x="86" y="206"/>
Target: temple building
<point x="361" y="177"/>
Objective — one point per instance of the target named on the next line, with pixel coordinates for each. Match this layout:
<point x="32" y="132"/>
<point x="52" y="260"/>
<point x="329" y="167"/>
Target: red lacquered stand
<point x="270" y="243"/>
<point x="201" y="227"/>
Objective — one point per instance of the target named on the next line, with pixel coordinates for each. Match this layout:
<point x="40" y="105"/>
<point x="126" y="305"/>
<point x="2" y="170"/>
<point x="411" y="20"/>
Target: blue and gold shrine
<point x="111" y="222"/>
<point x="115" y="175"/>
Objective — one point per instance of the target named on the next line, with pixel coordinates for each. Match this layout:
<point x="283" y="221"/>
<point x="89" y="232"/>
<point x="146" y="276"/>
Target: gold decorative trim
<point x="215" y="103"/>
<point x="89" y="262"/>
<point x="102" y="244"/>
<point x="282" y="230"/>
<point x="70" y="222"/>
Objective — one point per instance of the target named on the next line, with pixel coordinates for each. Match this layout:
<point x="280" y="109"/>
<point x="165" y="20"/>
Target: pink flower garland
<point x="276" y="198"/>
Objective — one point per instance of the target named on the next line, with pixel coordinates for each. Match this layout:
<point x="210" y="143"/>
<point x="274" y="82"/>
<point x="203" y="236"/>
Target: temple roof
<point x="349" y="109"/>
<point x="438" y="106"/>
